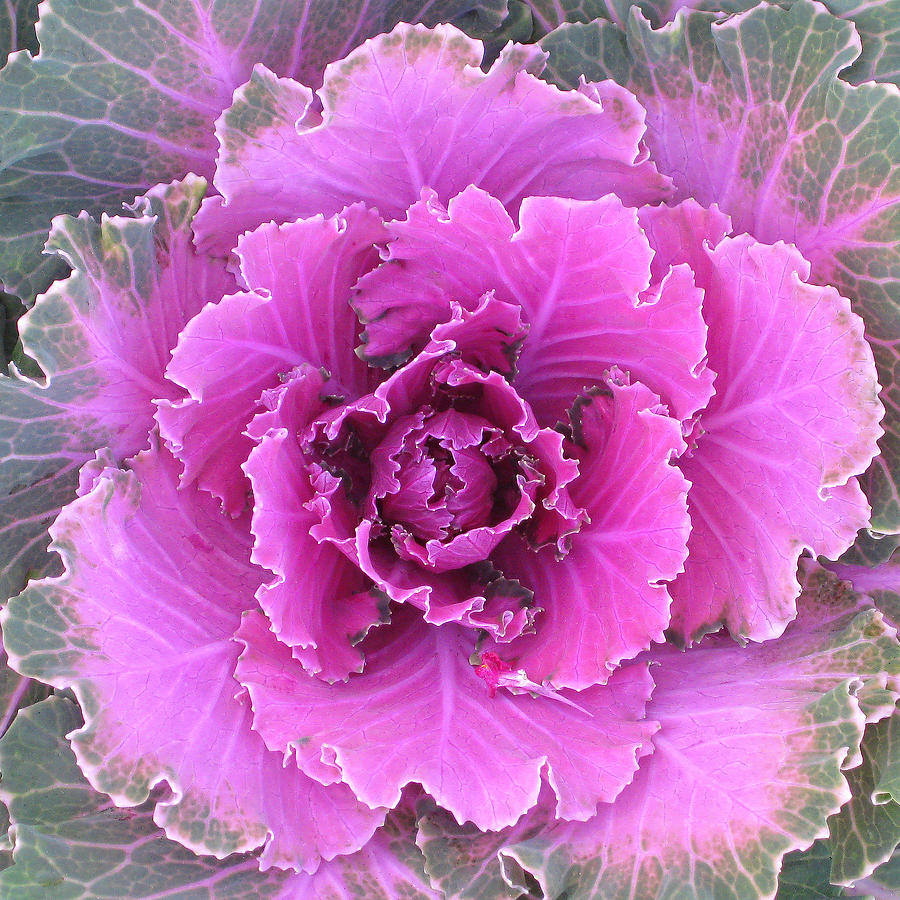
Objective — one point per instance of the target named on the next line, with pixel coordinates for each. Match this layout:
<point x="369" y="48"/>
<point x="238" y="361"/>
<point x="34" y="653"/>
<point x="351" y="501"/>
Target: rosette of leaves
<point x="586" y="413"/>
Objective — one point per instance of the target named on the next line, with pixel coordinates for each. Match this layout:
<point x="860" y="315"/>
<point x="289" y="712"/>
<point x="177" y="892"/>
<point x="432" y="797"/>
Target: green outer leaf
<point x="549" y="14"/>
<point x="871" y="549"/>
<point x="17" y="18"/>
<point x="884" y="882"/>
<point x="866" y="831"/>
<point x="804" y="875"/>
<point x="784" y="146"/>
<point x="123" y="95"/>
<point x="71" y="843"/>
<point x="878" y="24"/>
<point x="16" y="692"/>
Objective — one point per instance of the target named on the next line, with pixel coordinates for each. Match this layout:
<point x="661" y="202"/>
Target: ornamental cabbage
<point x="421" y="438"/>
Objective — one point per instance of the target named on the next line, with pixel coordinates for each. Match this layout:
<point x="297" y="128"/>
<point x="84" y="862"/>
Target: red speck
<point x="490" y="670"/>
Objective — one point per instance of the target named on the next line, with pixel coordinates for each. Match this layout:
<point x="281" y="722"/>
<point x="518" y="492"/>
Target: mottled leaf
<point x="389" y="867"/>
<point x="17" y="18"/>
<point x="881" y="583"/>
<point x="466" y="864"/>
<point x="749" y="113"/>
<point x="103" y="338"/>
<point x="72" y="843"/>
<point x="866" y="831"/>
<point x="825" y="591"/>
<point x="124" y="95"/>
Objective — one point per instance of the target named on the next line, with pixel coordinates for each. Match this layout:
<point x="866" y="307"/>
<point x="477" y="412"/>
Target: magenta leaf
<point x="794" y="418"/>
<point x="300" y="275"/>
<point x="420" y="713"/>
<point x="607" y="600"/>
<point x="319" y="603"/>
<point x="377" y="140"/>
<point x="747" y="766"/>
<point x="141" y="626"/>
<point x="566" y="257"/>
<point x="103" y="338"/>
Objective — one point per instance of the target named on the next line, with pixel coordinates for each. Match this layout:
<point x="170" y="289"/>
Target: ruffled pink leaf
<point x="607" y="600"/>
<point x="479" y="596"/>
<point x="300" y="275"/>
<point x="409" y="110"/>
<point x="420" y="713"/>
<point x="579" y="270"/>
<point x="794" y="417"/>
<point x="141" y="626"/>
<point x="747" y="767"/>
<point x="678" y="235"/>
<point x="319" y="603"/>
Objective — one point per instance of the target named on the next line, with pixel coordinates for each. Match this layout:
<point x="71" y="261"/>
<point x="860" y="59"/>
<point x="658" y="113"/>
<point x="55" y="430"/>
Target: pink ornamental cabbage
<point x="428" y="555"/>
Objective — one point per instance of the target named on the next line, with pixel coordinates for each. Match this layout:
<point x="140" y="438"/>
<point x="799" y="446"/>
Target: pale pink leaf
<point x="420" y="713"/>
<point x="794" y="418"/>
<point x="412" y="109"/>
